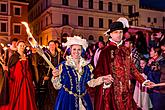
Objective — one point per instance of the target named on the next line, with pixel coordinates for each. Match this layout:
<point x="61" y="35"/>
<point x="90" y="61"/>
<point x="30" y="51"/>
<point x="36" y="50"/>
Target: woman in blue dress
<point x="72" y="77"/>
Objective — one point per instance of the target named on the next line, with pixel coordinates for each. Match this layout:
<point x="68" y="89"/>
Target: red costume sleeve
<point x="99" y="71"/>
<point x="136" y="74"/>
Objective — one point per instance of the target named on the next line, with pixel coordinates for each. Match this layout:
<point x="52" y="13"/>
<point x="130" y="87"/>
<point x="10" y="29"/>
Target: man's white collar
<point x="118" y="44"/>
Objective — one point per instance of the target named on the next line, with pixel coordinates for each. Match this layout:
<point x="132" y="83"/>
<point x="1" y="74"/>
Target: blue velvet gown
<point x="73" y="89"/>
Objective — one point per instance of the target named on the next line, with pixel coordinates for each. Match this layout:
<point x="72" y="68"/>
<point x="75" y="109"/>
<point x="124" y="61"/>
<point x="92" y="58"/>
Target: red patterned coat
<point x="117" y="62"/>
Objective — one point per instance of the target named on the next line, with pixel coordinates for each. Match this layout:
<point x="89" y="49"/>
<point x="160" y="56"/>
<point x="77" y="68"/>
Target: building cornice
<point x="5" y="16"/>
<point x="150" y="10"/>
<point x="17" y="2"/>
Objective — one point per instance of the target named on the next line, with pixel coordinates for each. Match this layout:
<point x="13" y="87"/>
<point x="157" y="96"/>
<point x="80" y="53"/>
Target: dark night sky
<point x="153" y="4"/>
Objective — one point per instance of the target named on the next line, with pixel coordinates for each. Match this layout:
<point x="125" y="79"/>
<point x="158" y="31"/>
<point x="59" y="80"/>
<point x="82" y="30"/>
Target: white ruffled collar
<point x="118" y="44"/>
<point x="70" y="61"/>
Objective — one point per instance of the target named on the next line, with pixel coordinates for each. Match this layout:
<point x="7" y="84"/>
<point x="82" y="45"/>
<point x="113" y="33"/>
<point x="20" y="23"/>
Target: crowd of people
<point x="124" y="73"/>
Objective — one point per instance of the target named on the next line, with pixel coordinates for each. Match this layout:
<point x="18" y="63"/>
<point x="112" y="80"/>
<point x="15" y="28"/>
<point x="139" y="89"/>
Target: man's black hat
<point x="115" y="26"/>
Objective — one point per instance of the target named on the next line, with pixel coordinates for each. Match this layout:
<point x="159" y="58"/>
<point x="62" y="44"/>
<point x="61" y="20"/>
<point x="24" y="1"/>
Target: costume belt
<point x="75" y="94"/>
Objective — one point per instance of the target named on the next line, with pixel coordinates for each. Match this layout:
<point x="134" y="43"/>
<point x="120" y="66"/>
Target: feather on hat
<point x="124" y="21"/>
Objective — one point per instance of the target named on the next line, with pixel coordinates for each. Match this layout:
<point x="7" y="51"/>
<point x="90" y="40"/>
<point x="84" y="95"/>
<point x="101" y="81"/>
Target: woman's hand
<point x="46" y="78"/>
<point x="150" y="61"/>
<point x="55" y="73"/>
<point x="149" y="84"/>
<point x="108" y="79"/>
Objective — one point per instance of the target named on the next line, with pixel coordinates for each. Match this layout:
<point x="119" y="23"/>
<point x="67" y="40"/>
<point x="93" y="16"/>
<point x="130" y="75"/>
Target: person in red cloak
<point x="115" y="60"/>
<point x="22" y="93"/>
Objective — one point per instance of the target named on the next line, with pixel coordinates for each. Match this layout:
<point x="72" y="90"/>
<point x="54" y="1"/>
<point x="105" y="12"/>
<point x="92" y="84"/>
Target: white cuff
<point x="107" y="86"/>
<point x="56" y="82"/>
<point x="143" y="84"/>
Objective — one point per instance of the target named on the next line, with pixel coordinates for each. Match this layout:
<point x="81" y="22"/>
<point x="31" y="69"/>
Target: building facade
<point x="11" y="14"/>
<point x="151" y="18"/>
<point x="56" y="19"/>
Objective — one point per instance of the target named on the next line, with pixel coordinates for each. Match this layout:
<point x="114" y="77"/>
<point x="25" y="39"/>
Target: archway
<point x="64" y="37"/>
<point x="101" y="38"/>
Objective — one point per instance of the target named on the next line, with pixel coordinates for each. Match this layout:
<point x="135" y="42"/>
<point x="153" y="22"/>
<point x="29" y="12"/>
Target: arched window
<point x="90" y="37"/>
<point x="64" y="37"/>
<point x="101" y="38"/>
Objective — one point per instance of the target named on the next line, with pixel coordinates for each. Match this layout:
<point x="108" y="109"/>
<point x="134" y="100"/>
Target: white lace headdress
<point x="76" y="40"/>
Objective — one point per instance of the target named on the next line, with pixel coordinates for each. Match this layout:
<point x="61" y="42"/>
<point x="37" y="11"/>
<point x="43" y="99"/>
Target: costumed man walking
<point x="46" y="93"/>
<point x="115" y="60"/>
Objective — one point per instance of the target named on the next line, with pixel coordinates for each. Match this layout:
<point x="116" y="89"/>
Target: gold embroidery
<point x="76" y="95"/>
<point x="70" y="78"/>
<point x="81" y="72"/>
<point x="90" y="67"/>
<point x="112" y="53"/>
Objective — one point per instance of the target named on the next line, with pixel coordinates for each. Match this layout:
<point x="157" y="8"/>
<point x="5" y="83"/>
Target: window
<point x="46" y="21"/>
<point x="155" y="20"/>
<point x="64" y="38"/>
<point x="41" y="40"/>
<point x="65" y="19"/>
<point x="17" y="10"/>
<point x="101" y="38"/>
<point x="119" y="8"/>
<point x="41" y="6"/>
<point x="80" y="20"/>
<point x="100" y="22"/>
<point x="91" y="22"/>
<point x="131" y="22"/>
<point x="3" y="26"/>
<point x="17" y="29"/>
<point x="109" y="22"/>
<point x="130" y="9"/>
<point x="46" y="3"/>
<point x="148" y="19"/>
<point x="100" y="5"/>
<point x="90" y="4"/>
<point x="3" y="7"/>
<point x="90" y="37"/>
<point x="80" y="3"/>
<point x="109" y="6"/>
<point x="37" y="28"/>
<point x="65" y="2"/>
<point x="39" y="10"/>
<point x="41" y="24"/>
